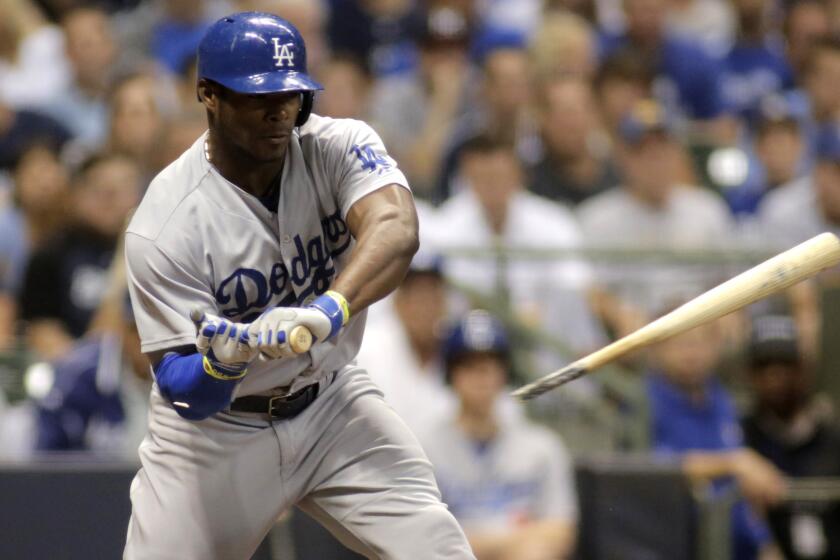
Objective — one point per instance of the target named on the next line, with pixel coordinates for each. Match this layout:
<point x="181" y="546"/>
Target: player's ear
<point x="207" y="94"/>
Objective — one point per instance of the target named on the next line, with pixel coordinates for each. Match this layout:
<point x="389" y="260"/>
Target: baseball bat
<point x="771" y="276"/>
<point x="300" y="338"/>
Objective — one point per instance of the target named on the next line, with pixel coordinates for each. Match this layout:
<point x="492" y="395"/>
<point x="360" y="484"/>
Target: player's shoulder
<point x="168" y="192"/>
<point x="327" y="130"/>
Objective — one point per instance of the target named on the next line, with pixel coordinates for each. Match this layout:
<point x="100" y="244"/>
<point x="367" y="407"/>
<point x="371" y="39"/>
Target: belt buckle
<point x="276" y="398"/>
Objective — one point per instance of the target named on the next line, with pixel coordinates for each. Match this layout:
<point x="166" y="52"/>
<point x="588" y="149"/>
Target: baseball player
<point x="274" y="219"/>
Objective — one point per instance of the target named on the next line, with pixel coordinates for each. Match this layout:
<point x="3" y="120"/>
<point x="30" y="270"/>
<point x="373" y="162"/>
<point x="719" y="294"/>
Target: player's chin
<point x="270" y="148"/>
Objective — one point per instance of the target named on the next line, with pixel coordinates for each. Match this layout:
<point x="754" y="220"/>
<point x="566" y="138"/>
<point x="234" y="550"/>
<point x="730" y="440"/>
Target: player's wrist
<point x="335" y="307"/>
<point x="222" y="371"/>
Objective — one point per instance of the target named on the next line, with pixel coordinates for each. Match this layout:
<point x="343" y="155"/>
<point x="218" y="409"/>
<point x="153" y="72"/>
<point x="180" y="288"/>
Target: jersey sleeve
<point x="359" y="164"/>
<point x="163" y="291"/>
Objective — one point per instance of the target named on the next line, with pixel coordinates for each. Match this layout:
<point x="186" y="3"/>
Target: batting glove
<point x="225" y="345"/>
<point x="324" y="317"/>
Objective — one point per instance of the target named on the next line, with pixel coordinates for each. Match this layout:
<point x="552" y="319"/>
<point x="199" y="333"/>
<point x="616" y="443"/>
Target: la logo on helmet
<point x="282" y="54"/>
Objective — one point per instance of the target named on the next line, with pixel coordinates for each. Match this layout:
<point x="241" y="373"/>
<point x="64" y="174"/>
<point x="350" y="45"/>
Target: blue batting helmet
<point x="477" y="332"/>
<point x="254" y="52"/>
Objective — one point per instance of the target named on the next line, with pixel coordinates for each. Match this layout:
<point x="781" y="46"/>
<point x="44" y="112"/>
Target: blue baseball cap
<point x="646" y="117"/>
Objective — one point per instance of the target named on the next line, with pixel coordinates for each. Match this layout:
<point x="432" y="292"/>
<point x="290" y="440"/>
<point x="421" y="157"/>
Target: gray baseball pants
<point x="213" y="489"/>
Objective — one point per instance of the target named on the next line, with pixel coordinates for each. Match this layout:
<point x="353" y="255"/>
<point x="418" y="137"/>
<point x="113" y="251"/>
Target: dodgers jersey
<point x="197" y="240"/>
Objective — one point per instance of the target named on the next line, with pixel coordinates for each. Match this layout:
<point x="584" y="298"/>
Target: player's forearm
<point x="386" y="239"/>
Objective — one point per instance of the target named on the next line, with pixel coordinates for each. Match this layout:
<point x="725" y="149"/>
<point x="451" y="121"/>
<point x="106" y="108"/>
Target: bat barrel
<point x="771" y="276"/>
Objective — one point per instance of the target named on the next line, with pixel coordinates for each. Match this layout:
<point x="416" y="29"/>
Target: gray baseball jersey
<point x="211" y="489"/>
<point x="197" y="240"/>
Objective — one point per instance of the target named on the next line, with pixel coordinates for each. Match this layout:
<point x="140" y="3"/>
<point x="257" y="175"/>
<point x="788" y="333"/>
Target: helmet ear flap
<point x="307" y="100"/>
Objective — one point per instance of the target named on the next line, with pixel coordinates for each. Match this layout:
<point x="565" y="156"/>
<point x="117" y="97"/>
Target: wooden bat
<point x="300" y="338"/>
<point x="771" y="276"/>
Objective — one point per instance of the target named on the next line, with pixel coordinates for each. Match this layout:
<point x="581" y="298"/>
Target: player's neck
<point x="238" y="167"/>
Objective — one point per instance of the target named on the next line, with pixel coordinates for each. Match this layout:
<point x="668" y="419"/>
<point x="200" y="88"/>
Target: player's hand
<point x="225" y="344"/>
<point x="324" y="317"/>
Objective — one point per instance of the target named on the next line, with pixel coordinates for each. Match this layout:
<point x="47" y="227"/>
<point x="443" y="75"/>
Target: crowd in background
<point x="563" y="126"/>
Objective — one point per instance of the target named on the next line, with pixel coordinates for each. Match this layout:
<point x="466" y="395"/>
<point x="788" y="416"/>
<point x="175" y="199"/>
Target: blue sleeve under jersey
<point x="193" y="394"/>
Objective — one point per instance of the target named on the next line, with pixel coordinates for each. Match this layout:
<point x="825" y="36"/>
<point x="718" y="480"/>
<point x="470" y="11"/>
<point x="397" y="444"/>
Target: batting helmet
<point x="477" y="332"/>
<point x="254" y="52"/>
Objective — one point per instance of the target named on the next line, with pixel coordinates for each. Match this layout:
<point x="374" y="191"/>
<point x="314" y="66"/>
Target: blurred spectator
<point x="693" y="420"/>
<point x="22" y="129"/>
<point x="755" y="65"/>
<point x="822" y="74"/>
<point x="64" y="280"/>
<point x="179" y="134"/>
<point x="35" y="212"/>
<point x="508" y="483"/>
<point x="797" y="431"/>
<point x="177" y="32"/>
<point x="136" y="121"/>
<point x="411" y="371"/>
<point x="688" y="79"/>
<point x="711" y="23"/>
<point x="98" y="400"/>
<point x="810" y="205"/>
<point x="28" y="46"/>
<point x="622" y="81"/>
<point x="416" y="112"/>
<point x="778" y="156"/>
<point x="653" y="210"/>
<point x="91" y="51"/>
<point x="501" y="108"/>
<point x="780" y="146"/>
<point x="41" y="187"/>
<point x="521" y="17"/>
<point x="377" y="31"/>
<point x="576" y="163"/>
<point x="805" y="22"/>
<point x="347" y="88"/>
<point x="495" y="210"/>
<point x="563" y="44"/>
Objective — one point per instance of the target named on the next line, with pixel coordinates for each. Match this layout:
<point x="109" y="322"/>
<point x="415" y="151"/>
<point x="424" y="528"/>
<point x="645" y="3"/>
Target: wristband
<point x="342" y="303"/>
<point x="219" y="371"/>
<point x="335" y="307"/>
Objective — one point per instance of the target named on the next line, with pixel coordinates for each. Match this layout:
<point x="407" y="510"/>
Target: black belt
<point x="281" y="406"/>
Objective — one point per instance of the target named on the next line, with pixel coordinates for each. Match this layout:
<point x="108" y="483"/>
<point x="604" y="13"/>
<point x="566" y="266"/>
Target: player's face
<point x="260" y="125"/>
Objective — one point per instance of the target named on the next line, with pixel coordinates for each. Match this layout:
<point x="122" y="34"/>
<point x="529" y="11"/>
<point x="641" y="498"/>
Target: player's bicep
<point x="163" y="291"/>
<point x="389" y="203"/>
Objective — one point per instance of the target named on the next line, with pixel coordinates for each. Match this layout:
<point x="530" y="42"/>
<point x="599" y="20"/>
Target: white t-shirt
<point x="791" y="214"/>
<point x="196" y="240"/>
<point x="524" y="474"/>
<point x="547" y="293"/>
<point x="692" y="218"/>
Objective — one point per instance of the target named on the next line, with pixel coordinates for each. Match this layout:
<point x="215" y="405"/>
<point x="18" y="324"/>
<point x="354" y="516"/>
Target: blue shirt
<point x="751" y="73"/>
<point x="689" y="80"/>
<point x="681" y="424"/>
<point x="79" y="400"/>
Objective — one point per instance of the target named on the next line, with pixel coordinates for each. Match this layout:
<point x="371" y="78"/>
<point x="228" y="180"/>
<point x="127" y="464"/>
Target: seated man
<point x="693" y="420"/>
<point x="98" y="401"/>
<point x="797" y="431"/>
<point x="508" y="482"/>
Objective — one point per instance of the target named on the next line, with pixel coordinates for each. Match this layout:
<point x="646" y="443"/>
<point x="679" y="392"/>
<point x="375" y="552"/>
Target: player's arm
<point x="384" y="224"/>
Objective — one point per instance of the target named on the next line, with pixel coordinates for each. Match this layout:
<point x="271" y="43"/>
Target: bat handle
<point x="300" y="339"/>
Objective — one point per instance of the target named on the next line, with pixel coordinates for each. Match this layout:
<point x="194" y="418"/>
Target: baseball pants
<point x="213" y="489"/>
